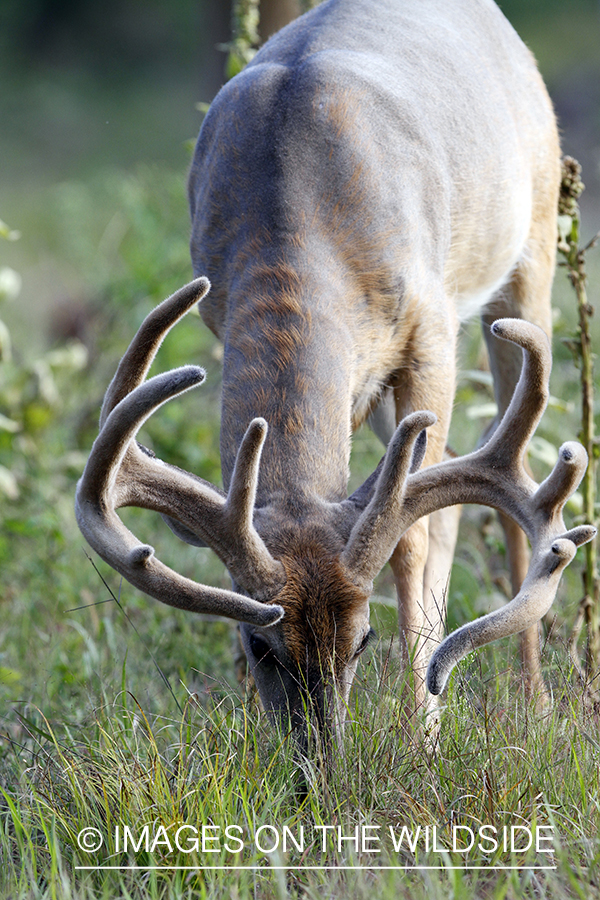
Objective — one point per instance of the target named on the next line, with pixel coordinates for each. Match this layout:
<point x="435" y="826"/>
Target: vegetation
<point x="158" y="780"/>
<point x="581" y="346"/>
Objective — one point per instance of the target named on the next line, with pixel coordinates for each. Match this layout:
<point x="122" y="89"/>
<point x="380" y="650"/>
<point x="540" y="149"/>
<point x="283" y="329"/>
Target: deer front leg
<point x="423" y="557"/>
<point x="408" y="567"/>
<point x="531" y="663"/>
<point x="527" y="296"/>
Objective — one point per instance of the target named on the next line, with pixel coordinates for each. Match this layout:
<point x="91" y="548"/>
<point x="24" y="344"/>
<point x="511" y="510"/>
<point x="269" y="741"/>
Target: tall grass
<point x="221" y="765"/>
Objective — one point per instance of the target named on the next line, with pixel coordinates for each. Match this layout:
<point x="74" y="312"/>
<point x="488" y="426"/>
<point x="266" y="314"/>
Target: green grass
<point x="115" y="710"/>
<point x="221" y="766"/>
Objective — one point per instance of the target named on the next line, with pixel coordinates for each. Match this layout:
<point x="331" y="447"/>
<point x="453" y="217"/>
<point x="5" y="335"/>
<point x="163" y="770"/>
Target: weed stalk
<point x="581" y="346"/>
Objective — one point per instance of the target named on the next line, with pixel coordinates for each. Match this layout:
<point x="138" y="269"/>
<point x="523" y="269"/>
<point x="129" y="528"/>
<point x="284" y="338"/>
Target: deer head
<point x="303" y="573"/>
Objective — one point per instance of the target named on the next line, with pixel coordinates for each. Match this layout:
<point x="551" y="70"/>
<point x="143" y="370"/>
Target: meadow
<point x="133" y="761"/>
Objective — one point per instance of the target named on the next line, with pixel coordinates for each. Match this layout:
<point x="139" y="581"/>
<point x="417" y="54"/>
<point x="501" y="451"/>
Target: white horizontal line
<point x="332" y="868"/>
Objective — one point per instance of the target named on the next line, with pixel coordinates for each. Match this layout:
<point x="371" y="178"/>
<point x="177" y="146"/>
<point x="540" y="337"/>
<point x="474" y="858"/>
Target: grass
<point x="116" y="711"/>
<point x="221" y="767"/>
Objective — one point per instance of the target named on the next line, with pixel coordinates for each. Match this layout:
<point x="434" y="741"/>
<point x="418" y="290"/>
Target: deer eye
<point x="261" y="649"/>
<point x="369" y="636"/>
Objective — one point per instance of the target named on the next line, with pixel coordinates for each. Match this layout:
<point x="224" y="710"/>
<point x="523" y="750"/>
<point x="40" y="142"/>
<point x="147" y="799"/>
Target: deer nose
<point x="313" y="720"/>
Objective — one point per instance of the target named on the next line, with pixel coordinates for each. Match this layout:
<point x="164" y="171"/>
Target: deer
<point x="381" y="172"/>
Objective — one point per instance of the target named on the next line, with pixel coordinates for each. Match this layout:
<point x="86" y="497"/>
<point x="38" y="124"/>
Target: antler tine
<point x="531" y="394"/>
<point x="375" y="534"/>
<point x="139" y="356"/>
<point x="562" y="482"/>
<point x="225" y="523"/>
<point x="120" y="473"/>
<point x="261" y="572"/>
<point x="531" y="603"/>
<point x="100" y="479"/>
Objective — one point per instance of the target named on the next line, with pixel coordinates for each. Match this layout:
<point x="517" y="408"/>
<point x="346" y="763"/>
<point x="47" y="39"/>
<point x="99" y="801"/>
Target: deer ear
<point x="362" y="495"/>
<point x="183" y="533"/>
<point x="419" y="451"/>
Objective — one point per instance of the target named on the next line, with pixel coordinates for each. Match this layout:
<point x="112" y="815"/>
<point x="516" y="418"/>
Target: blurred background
<point x="88" y="90"/>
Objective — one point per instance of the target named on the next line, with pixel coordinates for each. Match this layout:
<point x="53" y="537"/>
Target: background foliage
<point x="110" y="703"/>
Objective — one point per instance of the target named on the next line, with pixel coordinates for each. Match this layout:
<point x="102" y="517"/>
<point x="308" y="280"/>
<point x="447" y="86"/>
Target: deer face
<point x="305" y="664"/>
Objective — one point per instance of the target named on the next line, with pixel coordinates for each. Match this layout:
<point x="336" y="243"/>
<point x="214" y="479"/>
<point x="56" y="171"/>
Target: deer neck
<point x="288" y="358"/>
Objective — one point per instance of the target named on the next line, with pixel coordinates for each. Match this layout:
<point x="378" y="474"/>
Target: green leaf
<point x="482" y="411"/>
<point x="8" y="233"/>
<point x="7" y="424"/>
<point x="565" y="229"/>
<point x="9" y="676"/>
<point x="5" y="343"/>
<point x="8" y="484"/>
<point x="10" y="284"/>
<point x="73" y="356"/>
<point x="540" y="448"/>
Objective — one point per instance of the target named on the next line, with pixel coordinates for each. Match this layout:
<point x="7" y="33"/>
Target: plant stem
<point x="568" y="246"/>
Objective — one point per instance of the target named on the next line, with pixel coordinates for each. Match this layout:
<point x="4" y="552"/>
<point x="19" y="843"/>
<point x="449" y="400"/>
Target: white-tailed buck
<point x="380" y="172"/>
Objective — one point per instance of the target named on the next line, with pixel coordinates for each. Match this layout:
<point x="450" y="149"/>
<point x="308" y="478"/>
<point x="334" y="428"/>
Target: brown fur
<point x="320" y="605"/>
